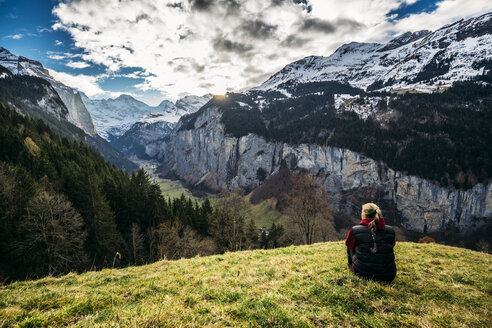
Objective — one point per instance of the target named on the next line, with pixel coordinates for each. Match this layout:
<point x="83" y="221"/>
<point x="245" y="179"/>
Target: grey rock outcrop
<point x="206" y="155"/>
<point x="77" y="112"/>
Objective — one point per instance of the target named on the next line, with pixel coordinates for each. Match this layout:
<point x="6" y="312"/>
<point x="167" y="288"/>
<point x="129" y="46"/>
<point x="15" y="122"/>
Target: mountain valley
<point x="405" y="124"/>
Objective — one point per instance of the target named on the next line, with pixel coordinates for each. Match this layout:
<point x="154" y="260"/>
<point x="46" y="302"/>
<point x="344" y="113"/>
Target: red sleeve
<point x="394" y="242"/>
<point x="350" y="241"/>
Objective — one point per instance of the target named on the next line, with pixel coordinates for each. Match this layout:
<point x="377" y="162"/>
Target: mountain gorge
<point x="407" y="122"/>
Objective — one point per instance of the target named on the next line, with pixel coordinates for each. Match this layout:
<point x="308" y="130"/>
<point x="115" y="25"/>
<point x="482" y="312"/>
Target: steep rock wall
<point x="206" y="155"/>
<point x="78" y="114"/>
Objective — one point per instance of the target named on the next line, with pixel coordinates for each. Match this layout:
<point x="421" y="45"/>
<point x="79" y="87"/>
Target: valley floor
<point x="298" y="286"/>
<point x="169" y="188"/>
<point x="263" y="214"/>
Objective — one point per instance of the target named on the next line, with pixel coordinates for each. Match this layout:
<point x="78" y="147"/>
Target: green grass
<point x="169" y="188"/>
<point x="304" y="286"/>
<point x="263" y="214"/>
<point x="173" y="188"/>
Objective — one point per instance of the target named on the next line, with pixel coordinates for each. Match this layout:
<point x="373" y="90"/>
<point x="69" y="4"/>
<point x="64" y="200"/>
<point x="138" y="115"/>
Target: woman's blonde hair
<point x="371" y="210"/>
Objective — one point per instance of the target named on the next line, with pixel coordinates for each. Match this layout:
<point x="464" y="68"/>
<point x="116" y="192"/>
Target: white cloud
<point x="41" y="29"/>
<point x="58" y="43"/>
<point x="85" y="83"/>
<point x="56" y="57"/>
<point x="15" y="36"/>
<point x="77" y="64"/>
<point x="215" y="46"/>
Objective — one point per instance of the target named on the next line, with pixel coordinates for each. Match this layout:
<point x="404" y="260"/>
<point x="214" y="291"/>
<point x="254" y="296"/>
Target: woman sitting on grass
<point x="370" y="246"/>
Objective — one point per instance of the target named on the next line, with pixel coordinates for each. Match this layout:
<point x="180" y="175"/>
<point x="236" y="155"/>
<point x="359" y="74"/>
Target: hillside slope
<point x="303" y="286"/>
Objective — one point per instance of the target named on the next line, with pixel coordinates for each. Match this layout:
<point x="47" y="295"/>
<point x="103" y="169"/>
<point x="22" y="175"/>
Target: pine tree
<point x="137" y="244"/>
<point x="252" y="237"/>
<point x="264" y="239"/>
<point x="204" y="217"/>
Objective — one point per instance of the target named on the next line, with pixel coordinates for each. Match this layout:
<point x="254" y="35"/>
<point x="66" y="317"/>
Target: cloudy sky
<point x="156" y="49"/>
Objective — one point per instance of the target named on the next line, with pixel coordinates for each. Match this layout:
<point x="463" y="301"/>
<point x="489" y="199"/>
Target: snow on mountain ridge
<point x="20" y="65"/>
<point x="407" y="61"/>
<point x="139" y="140"/>
<point x="404" y="39"/>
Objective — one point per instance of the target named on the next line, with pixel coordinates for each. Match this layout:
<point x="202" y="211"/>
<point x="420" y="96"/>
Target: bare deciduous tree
<point x="175" y="241"/>
<point x="53" y="235"/>
<point x="308" y="208"/>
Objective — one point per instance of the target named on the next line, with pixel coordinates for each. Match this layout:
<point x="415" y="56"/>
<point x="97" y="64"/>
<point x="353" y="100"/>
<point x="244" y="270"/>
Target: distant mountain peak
<point x="355" y="47"/>
<point x="114" y="116"/>
<point x="165" y="105"/>
<point x="125" y="96"/>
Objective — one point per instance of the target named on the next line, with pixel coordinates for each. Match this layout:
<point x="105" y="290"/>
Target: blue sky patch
<point x="405" y="10"/>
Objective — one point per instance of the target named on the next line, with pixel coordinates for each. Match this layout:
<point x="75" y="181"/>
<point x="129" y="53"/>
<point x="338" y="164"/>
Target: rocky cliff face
<point x="206" y="155"/>
<point x="133" y="142"/>
<point x="77" y="112"/>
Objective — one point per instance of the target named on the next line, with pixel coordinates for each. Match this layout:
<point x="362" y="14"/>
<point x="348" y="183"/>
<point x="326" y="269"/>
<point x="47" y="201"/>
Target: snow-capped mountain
<point x="77" y="112"/>
<point x="45" y="97"/>
<point x="171" y="113"/>
<point x="113" y="117"/>
<point x="425" y="154"/>
<point x="421" y="60"/>
<point x="138" y="140"/>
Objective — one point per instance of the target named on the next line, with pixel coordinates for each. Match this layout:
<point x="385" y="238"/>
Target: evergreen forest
<point x="64" y="208"/>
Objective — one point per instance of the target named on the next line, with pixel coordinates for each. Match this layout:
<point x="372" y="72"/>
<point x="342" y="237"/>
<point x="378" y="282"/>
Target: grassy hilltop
<point x="303" y="286"/>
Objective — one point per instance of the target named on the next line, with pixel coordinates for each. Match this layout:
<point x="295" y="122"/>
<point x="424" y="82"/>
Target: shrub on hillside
<point x="427" y="240"/>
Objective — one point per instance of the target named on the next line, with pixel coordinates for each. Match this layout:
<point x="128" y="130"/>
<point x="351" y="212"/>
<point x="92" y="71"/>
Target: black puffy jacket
<point x="379" y="265"/>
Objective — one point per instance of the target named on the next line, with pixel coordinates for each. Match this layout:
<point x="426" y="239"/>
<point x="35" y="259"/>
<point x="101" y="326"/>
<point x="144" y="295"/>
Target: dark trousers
<point x="349" y="259"/>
